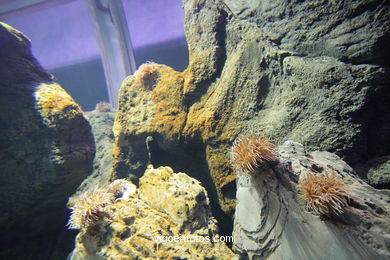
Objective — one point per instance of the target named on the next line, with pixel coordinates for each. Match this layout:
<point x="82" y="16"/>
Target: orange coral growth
<point x="249" y="152"/>
<point x="88" y="208"/>
<point x="324" y="193"/>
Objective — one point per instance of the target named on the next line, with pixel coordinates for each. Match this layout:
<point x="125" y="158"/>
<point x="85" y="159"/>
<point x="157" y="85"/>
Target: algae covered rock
<point x="46" y="149"/>
<point x="272" y="221"/>
<point x="168" y="217"/>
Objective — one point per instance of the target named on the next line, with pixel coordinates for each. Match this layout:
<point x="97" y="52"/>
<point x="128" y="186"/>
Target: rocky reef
<point x="250" y="72"/>
<point x="168" y="217"/>
<point x="46" y="150"/>
<point x="314" y="72"/>
<point x="272" y="222"/>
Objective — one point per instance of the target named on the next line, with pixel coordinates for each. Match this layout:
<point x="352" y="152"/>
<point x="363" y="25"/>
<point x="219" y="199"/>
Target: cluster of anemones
<point x="323" y="194"/>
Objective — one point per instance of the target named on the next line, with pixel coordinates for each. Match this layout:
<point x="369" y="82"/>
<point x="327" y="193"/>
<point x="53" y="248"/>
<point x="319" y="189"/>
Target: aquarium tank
<point x="194" y="129"/>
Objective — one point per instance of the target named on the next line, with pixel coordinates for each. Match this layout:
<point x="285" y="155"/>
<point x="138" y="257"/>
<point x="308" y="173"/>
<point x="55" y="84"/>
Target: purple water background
<point x="64" y="34"/>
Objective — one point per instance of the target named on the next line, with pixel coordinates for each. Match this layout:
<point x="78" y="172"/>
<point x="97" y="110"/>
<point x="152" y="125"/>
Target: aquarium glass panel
<point x="63" y="40"/>
<point x="157" y="32"/>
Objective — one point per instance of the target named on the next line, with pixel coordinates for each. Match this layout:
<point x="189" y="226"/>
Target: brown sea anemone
<point x="148" y="73"/>
<point x="88" y="208"/>
<point x="249" y="152"/>
<point x="324" y="194"/>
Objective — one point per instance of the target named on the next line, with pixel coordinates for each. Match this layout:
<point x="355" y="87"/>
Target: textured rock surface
<point x="46" y="149"/>
<point x="379" y="176"/>
<point x="101" y="123"/>
<point x="166" y="204"/>
<point x="271" y="222"/>
<point x="353" y="31"/>
<point x="376" y="172"/>
<point x="308" y="71"/>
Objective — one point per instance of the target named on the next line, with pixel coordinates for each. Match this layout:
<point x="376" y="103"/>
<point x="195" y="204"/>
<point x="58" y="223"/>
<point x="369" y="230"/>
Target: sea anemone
<point x="249" y="152"/>
<point x="88" y="208"/>
<point x="148" y="73"/>
<point x="324" y="194"/>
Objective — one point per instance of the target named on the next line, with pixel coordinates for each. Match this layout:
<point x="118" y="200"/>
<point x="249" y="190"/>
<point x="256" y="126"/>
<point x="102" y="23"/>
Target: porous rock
<point x="169" y="206"/>
<point x="46" y="149"/>
<point x="271" y="222"/>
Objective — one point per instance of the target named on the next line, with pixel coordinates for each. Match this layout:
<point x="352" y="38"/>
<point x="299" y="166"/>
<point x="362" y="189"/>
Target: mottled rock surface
<point x="101" y="123"/>
<point x="352" y="31"/>
<point x="309" y="71"/>
<point x="272" y="222"/>
<point x="376" y="172"/>
<point x="46" y="149"/>
<point x="167" y="204"/>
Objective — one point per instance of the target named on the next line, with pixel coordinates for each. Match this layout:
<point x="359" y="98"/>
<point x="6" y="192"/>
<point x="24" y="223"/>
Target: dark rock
<point x="101" y="123"/>
<point x="352" y="31"/>
<point x="46" y="149"/>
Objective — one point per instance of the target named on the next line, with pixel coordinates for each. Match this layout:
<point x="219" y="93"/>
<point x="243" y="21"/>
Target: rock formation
<point x="101" y="123"/>
<point x="166" y="206"/>
<point x="46" y="150"/>
<point x="309" y="71"/>
<point x="272" y="222"/>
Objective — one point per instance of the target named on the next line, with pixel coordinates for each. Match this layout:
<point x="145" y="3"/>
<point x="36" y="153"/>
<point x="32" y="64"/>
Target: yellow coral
<point x="325" y="193"/>
<point x="54" y="103"/>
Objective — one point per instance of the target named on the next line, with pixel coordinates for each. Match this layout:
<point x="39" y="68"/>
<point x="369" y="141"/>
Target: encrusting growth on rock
<point x="249" y="152"/>
<point x="324" y="194"/>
